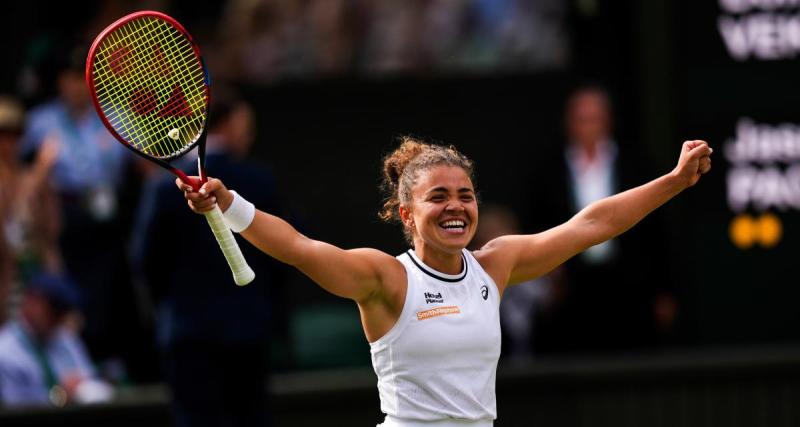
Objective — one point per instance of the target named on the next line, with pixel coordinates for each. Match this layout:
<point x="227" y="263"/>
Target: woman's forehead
<point x="446" y="176"/>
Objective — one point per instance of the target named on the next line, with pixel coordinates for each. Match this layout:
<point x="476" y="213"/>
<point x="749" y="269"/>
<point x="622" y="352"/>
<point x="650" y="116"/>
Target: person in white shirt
<point x="590" y="164"/>
<point x="431" y="314"/>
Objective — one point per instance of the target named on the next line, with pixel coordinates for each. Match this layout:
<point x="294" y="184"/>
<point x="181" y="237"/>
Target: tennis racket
<point x="151" y="89"/>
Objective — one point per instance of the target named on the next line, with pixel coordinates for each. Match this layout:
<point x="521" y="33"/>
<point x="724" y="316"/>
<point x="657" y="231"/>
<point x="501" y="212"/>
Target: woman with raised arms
<point x="431" y="314"/>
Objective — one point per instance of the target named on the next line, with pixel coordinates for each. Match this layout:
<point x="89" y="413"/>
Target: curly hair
<point x="402" y="167"/>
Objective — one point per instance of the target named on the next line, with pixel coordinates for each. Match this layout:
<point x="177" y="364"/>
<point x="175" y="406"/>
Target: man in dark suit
<point x="213" y="335"/>
<point x="606" y="295"/>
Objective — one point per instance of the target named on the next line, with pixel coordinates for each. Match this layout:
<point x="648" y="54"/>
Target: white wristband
<point x="239" y="214"/>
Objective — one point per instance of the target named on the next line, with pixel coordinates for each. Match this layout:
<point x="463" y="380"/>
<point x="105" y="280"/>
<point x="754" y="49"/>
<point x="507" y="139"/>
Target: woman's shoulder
<point x="494" y="260"/>
<point x="388" y="265"/>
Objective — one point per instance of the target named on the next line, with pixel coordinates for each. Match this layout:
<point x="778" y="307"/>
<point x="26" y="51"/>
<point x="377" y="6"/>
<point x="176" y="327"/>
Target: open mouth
<point x="454" y="226"/>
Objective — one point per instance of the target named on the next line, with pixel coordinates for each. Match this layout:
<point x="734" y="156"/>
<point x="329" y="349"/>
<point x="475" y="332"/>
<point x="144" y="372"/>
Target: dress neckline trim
<point x="450" y="278"/>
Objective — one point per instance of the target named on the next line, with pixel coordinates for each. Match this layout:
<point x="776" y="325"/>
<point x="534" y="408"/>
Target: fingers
<point x="698" y="148"/>
<point x="211" y="186"/>
<point x="183" y="186"/>
<point x="705" y="165"/>
<point x="694" y="161"/>
<point x="190" y="185"/>
<point x="701" y="152"/>
<point x="202" y="200"/>
<point x="200" y="203"/>
<point x="692" y="144"/>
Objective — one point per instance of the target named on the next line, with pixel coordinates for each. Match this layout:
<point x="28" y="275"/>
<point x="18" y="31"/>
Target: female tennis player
<point x="431" y="314"/>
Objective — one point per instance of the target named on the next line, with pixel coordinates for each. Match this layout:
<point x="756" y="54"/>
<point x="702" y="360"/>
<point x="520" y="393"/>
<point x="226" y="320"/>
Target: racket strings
<point x="143" y="101"/>
<point x="159" y="65"/>
<point x="119" y="61"/>
<point x="140" y="100"/>
<point x="149" y="81"/>
<point x="163" y="67"/>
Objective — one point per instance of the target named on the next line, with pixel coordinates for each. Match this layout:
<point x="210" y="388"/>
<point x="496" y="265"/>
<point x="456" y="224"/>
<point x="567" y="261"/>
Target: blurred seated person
<point x="29" y="214"/>
<point x="43" y="361"/>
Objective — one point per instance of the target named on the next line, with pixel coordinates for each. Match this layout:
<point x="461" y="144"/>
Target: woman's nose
<point x="454" y="206"/>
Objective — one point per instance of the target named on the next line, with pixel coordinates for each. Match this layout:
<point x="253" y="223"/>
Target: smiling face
<point x="443" y="212"/>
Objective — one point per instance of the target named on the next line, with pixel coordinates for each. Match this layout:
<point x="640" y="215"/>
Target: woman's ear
<point x="405" y="216"/>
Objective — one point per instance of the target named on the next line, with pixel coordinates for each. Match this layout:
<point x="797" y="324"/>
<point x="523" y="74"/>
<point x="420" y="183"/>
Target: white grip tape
<point x="242" y="273"/>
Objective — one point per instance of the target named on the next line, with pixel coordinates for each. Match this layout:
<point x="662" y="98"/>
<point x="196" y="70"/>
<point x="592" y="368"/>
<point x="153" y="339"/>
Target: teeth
<point x="453" y="223"/>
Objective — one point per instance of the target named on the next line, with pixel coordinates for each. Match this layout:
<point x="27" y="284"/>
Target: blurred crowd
<point x="264" y="41"/>
<point x="260" y="41"/>
<point x="108" y="281"/>
<point x="95" y="294"/>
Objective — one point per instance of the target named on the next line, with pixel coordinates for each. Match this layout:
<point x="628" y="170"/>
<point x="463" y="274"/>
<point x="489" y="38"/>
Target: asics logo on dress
<point x="485" y="292"/>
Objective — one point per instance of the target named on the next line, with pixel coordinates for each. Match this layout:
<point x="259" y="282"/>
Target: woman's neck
<point x="443" y="262"/>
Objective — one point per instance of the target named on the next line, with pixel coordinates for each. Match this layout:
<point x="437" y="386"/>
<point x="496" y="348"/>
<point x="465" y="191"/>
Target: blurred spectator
<point x="263" y="40"/>
<point x="89" y="175"/>
<point x="29" y="216"/>
<point x="334" y="27"/>
<point x="532" y="35"/>
<point x="43" y="361"/>
<point x="213" y="335"/>
<point x="590" y="166"/>
<point x="522" y="303"/>
<point x="444" y="28"/>
<point x="394" y="41"/>
<point x="91" y="160"/>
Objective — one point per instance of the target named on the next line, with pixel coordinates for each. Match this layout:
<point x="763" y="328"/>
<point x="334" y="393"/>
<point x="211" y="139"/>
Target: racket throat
<point x="201" y="170"/>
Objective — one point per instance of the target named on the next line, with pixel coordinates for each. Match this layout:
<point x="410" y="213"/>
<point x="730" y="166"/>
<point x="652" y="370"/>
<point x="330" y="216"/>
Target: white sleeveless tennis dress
<point x="437" y="365"/>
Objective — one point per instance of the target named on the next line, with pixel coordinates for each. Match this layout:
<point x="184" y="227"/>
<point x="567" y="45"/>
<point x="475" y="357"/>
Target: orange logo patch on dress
<point x="438" y="311"/>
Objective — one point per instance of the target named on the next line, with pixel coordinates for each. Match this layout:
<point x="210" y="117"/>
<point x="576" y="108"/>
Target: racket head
<point x="149" y="85"/>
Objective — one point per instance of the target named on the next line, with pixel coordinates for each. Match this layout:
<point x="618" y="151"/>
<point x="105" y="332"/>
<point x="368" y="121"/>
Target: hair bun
<point x="393" y="166"/>
<point x="396" y="162"/>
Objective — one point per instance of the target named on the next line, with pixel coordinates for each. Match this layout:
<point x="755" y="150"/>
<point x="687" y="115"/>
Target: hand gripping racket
<point x="151" y="89"/>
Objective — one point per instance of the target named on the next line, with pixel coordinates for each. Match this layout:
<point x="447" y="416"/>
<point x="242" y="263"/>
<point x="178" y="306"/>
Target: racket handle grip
<point x="242" y="273"/>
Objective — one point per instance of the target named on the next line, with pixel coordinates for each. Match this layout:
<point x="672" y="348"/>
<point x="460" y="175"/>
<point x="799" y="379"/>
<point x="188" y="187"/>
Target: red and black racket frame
<point x="200" y="141"/>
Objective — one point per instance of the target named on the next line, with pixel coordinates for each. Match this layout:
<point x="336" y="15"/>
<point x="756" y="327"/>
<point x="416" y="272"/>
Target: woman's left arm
<point x="515" y="259"/>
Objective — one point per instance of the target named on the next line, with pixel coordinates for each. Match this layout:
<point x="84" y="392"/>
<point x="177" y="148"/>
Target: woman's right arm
<point x="357" y="274"/>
